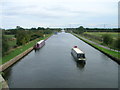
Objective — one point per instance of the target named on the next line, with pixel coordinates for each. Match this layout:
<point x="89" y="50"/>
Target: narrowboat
<point x="39" y="44"/>
<point x="78" y="54"/>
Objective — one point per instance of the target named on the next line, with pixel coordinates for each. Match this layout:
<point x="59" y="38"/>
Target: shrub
<point x="107" y="39"/>
<point x="5" y="46"/>
<point x="117" y="43"/>
<point x="22" y="37"/>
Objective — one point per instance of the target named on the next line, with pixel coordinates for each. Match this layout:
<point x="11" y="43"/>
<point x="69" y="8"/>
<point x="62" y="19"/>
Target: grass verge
<point x="112" y="54"/>
<point x="20" y="50"/>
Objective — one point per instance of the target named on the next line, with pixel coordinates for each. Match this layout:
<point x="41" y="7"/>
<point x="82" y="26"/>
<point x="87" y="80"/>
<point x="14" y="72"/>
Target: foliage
<point x="94" y="29"/>
<point x="79" y="30"/>
<point x="97" y="37"/>
<point x="22" y="37"/>
<point x="5" y="46"/>
<point x="107" y="39"/>
<point x="40" y="28"/>
<point x="36" y="34"/>
<point x="19" y="28"/>
<point x="117" y="43"/>
<point x="21" y="49"/>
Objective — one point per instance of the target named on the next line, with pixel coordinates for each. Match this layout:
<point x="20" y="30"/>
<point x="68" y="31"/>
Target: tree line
<point x="81" y="28"/>
<point x="106" y="39"/>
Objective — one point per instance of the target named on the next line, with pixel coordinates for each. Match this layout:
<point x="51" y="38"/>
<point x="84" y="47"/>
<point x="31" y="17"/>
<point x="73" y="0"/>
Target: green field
<point x="11" y="42"/>
<point x="98" y="37"/>
<point x="9" y="36"/>
<point x="100" y="34"/>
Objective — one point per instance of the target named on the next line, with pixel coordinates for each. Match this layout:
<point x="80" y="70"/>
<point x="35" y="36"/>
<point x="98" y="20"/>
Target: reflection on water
<point x="81" y="64"/>
<point x="7" y="72"/>
<point x="36" y="50"/>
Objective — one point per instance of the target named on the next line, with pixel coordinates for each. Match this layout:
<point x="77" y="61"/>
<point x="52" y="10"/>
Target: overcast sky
<point x="59" y="13"/>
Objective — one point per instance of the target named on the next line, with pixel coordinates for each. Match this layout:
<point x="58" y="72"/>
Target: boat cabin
<point x="77" y="53"/>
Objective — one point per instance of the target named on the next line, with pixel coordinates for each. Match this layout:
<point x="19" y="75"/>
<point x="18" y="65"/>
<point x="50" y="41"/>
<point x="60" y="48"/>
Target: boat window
<point x="81" y="56"/>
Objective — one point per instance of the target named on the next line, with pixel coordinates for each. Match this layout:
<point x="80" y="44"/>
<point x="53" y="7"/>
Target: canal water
<point x="53" y="66"/>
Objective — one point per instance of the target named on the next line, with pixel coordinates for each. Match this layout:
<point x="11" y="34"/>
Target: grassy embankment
<point x="20" y="49"/>
<point x="114" y="54"/>
<point x="99" y="35"/>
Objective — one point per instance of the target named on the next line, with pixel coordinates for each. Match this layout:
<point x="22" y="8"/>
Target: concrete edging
<point x="3" y="83"/>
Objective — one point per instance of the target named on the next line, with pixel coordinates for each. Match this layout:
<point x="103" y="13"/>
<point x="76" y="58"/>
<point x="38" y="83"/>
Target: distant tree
<point x="33" y="29"/>
<point x="27" y="37"/>
<point x="47" y="31"/>
<point x="40" y="28"/>
<point x="19" y="28"/>
<point x="80" y="30"/>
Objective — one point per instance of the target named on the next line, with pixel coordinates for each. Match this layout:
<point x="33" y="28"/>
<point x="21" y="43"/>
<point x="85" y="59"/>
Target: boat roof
<point x="78" y="50"/>
<point x="40" y="41"/>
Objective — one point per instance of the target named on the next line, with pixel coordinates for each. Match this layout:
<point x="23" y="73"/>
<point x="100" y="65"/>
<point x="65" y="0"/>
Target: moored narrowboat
<point x="39" y="44"/>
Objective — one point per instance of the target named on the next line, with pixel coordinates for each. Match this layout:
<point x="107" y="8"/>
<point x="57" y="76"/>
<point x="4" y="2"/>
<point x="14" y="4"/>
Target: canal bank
<point x="3" y="83"/>
<point x="54" y="63"/>
<point x="14" y="60"/>
<point x="18" y="57"/>
<point x="98" y="48"/>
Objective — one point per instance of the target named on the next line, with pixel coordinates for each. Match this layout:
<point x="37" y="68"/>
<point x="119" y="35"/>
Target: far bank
<point x="112" y="54"/>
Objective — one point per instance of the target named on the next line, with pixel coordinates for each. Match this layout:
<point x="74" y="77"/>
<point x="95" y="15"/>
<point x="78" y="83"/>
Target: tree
<point x="41" y="28"/>
<point x="33" y="29"/>
<point x="22" y="37"/>
<point x="5" y="46"/>
<point x="107" y="39"/>
<point x="117" y="43"/>
<point x="19" y="28"/>
<point x="80" y="29"/>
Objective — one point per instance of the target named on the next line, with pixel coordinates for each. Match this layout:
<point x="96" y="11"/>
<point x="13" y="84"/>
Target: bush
<point x="22" y="37"/>
<point x="107" y="39"/>
<point x="5" y="46"/>
<point x="117" y="43"/>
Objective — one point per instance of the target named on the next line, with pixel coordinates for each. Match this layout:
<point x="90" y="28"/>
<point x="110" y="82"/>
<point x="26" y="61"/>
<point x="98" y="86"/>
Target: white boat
<point x="78" y="54"/>
<point x="39" y="44"/>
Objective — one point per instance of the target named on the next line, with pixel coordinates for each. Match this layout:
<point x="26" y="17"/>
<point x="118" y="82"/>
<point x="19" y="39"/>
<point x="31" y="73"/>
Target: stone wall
<point x="3" y="84"/>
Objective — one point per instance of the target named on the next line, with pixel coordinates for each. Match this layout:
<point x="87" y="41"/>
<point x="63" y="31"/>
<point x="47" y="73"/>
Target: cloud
<point x="55" y="13"/>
